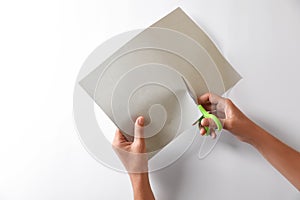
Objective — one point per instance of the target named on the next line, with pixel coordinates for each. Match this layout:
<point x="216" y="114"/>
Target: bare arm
<point x="285" y="159"/>
<point x="141" y="187"/>
<point x="133" y="156"/>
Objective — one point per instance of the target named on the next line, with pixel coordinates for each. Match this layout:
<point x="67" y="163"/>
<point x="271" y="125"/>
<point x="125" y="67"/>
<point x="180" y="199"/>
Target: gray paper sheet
<point x="143" y="78"/>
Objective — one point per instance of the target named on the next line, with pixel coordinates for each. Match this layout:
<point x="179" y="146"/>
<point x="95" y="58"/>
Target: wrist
<point x="139" y="179"/>
<point x="141" y="186"/>
<point x="247" y="131"/>
<point x="138" y="176"/>
<point x="256" y="135"/>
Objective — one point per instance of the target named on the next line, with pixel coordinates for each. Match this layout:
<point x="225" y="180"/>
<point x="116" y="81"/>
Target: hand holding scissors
<point x="205" y="114"/>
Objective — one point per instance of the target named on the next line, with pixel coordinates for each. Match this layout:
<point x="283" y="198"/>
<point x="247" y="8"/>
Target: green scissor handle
<point x="205" y="114"/>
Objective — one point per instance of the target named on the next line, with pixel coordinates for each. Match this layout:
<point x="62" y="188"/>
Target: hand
<point x="132" y="154"/>
<point x="230" y="116"/>
<point x="285" y="159"/>
<point x="134" y="157"/>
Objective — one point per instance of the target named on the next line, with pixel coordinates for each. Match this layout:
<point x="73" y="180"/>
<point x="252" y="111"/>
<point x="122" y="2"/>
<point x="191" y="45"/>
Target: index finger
<point x="209" y="98"/>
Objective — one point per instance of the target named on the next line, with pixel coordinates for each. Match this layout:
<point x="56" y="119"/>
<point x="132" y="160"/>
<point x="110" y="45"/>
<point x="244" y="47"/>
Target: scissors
<point x="205" y="114"/>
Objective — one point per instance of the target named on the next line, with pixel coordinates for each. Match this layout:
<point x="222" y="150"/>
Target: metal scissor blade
<point x="192" y="95"/>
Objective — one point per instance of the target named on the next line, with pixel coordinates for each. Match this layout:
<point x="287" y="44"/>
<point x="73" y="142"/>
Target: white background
<point x="42" y="47"/>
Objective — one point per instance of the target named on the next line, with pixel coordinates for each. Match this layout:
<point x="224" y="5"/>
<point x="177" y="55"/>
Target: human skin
<point x="285" y="159"/>
<point x="134" y="157"/>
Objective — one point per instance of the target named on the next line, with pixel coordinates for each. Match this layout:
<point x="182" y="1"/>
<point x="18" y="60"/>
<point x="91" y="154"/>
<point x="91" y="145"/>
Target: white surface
<point x="42" y="48"/>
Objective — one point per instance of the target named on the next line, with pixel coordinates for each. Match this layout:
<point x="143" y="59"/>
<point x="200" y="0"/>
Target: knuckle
<point x="209" y="94"/>
<point x="228" y="101"/>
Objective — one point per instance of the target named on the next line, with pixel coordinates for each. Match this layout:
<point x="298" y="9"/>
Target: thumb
<point x="139" y="131"/>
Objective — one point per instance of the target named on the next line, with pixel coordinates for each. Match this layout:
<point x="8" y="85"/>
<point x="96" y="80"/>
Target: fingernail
<point x="202" y="122"/>
<point x="141" y="121"/>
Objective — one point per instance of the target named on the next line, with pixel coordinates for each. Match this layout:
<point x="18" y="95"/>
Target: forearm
<point x="285" y="159"/>
<point x="141" y="186"/>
